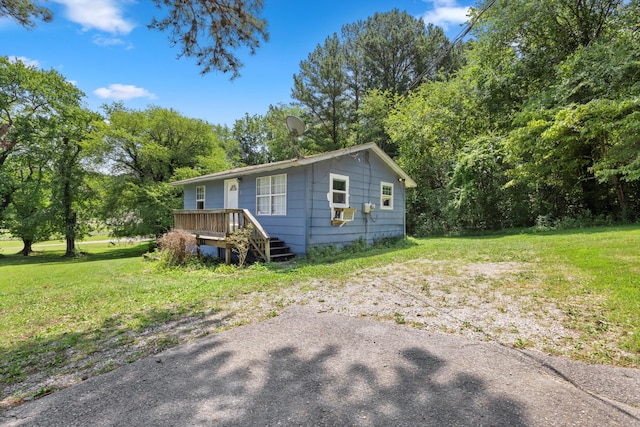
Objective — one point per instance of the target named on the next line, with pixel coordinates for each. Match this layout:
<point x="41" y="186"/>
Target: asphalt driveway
<point x="320" y="369"/>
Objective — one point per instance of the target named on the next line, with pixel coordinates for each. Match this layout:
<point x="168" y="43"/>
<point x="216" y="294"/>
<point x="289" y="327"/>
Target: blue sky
<point x="104" y="47"/>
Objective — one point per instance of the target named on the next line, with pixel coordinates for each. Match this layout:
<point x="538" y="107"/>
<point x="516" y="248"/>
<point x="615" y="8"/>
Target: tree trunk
<point x="26" y="249"/>
<point x="70" y="231"/>
<point x="70" y="216"/>
<point x="622" y="201"/>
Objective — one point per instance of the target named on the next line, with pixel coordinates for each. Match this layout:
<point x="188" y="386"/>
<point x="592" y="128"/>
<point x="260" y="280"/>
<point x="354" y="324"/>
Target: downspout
<point x="309" y="217"/>
<point x="404" y="208"/>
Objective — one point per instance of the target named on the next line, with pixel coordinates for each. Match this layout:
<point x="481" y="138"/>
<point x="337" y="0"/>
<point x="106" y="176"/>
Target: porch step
<point x="279" y="250"/>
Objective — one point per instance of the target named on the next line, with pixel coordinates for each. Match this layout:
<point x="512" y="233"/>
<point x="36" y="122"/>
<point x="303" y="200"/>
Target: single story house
<point x="332" y="198"/>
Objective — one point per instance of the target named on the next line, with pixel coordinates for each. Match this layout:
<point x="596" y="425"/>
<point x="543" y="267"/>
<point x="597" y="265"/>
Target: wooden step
<point x="279" y="250"/>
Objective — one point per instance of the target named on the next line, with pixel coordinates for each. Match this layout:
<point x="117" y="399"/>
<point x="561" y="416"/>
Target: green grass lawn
<point x="56" y="312"/>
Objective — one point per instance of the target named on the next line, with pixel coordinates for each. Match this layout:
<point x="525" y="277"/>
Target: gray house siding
<point x="213" y="195"/>
<point x="308" y="219"/>
<point x="289" y="227"/>
<point x="365" y="173"/>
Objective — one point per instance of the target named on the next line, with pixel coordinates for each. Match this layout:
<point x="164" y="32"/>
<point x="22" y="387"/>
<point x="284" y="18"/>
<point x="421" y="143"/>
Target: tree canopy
<point x="387" y="53"/>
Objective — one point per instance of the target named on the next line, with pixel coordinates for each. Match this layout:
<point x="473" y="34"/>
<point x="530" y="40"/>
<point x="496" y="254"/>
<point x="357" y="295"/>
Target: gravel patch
<point x="480" y="301"/>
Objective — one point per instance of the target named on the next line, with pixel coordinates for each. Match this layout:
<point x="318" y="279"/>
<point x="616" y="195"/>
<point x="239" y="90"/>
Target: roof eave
<point x="284" y="164"/>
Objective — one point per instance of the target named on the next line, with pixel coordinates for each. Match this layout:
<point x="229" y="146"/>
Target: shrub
<point x="241" y="240"/>
<point x="177" y="248"/>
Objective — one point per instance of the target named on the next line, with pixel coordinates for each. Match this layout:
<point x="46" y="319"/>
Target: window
<point x="386" y="195"/>
<point x="200" y="197"/>
<point x="339" y="191"/>
<point x="338" y="197"/>
<point x="271" y="195"/>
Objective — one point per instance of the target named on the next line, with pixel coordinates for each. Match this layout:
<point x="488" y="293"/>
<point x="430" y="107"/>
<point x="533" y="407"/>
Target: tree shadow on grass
<point x="32" y="367"/>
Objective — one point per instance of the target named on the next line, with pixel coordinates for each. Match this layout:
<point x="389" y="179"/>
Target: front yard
<point x="574" y="293"/>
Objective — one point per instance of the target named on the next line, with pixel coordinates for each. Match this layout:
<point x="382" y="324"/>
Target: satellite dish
<point x="295" y="125"/>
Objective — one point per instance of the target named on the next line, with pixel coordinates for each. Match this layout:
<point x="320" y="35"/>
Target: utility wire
<point x="447" y="50"/>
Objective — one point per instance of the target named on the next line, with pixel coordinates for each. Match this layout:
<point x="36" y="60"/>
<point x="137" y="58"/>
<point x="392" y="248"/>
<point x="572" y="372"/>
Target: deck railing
<point x="218" y="224"/>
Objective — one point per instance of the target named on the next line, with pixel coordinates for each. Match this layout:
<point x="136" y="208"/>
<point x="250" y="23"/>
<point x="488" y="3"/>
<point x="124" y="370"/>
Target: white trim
<point x="271" y="195"/>
<point x="233" y="173"/>
<point x="332" y="197"/>
<point x="228" y="184"/>
<point x="384" y="197"/>
<point x="203" y="199"/>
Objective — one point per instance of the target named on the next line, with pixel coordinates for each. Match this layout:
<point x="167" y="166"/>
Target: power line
<point x="434" y="63"/>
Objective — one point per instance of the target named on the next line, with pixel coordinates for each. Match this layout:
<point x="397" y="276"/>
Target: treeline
<point x="534" y="119"/>
<point x="541" y="123"/>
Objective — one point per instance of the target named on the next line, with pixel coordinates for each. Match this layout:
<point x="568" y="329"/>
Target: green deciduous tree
<point x="145" y="150"/>
<point x="42" y="131"/>
<point x="476" y="185"/>
<point x="252" y="135"/>
<point x="28" y="216"/>
<point x="431" y="127"/>
<point x="71" y="135"/>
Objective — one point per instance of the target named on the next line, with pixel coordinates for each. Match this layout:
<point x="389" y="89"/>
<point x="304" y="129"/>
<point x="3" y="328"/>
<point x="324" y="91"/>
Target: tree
<point x="27" y="94"/>
<point x="478" y="200"/>
<point x="521" y="44"/>
<point x="155" y="143"/>
<point x="145" y="150"/>
<point x="207" y="30"/>
<point x="71" y="137"/>
<point x="35" y="108"/>
<point x="389" y="52"/>
<point x="430" y="128"/>
<point x="372" y="113"/>
<point x="28" y="216"/>
<point x="25" y="12"/>
<point x="265" y="138"/>
<point x="225" y="25"/>
<point x="321" y="88"/>
<point x="280" y="142"/>
<point x="252" y="134"/>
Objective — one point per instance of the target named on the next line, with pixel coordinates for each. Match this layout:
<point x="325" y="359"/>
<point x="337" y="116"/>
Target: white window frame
<point x="385" y="197"/>
<point x="271" y="195"/>
<point x="201" y="199"/>
<point x="333" y="177"/>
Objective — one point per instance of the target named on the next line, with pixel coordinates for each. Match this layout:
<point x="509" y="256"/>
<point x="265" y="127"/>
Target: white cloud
<point x="445" y="13"/>
<point x="123" y="92"/>
<point x="107" y="41"/>
<point x="103" y="15"/>
<point x="26" y="61"/>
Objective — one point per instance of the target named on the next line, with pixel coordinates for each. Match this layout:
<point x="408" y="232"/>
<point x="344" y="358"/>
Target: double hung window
<point x="339" y="191"/>
<point x="386" y="195"/>
<point x="200" y="196"/>
<point x="271" y="195"/>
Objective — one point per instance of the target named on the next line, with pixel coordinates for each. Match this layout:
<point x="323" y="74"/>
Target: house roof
<point x="285" y="164"/>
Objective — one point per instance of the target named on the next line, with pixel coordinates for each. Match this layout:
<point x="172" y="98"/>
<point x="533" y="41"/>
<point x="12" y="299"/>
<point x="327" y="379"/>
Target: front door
<point x="231" y="191"/>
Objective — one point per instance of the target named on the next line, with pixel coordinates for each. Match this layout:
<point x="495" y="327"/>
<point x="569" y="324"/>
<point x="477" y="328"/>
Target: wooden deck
<point x="214" y="226"/>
